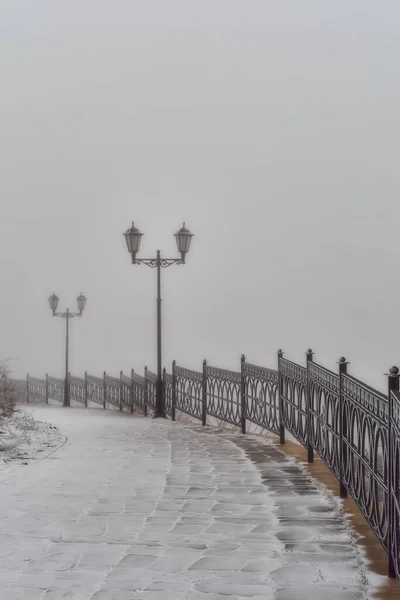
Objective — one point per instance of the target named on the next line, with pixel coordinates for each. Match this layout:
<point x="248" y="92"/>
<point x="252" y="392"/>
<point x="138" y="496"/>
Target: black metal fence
<point x="353" y="428"/>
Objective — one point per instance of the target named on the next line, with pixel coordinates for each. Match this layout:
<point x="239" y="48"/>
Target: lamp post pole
<point x="160" y="404"/>
<point x="183" y="239"/>
<point x="67" y="401"/>
<point x="67" y="315"/>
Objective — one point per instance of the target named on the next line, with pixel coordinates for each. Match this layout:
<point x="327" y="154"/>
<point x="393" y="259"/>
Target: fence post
<point x="173" y="410"/>
<point x="86" y="390"/>
<point x="164" y="384"/>
<point x="146" y="391"/>
<point x="243" y="394"/>
<point x="104" y="391"/>
<point x="310" y="451"/>
<point x="120" y="391"/>
<point x="69" y="388"/>
<point x="27" y="388"/>
<point x="280" y="400"/>
<point x="342" y="428"/>
<point x="131" y="392"/>
<point x="47" y="388"/>
<point x="393" y="386"/>
<point x="204" y="403"/>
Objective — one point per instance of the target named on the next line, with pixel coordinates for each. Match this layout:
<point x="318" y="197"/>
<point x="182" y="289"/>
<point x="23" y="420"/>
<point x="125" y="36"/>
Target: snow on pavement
<point x="23" y="439"/>
<point x="138" y="509"/>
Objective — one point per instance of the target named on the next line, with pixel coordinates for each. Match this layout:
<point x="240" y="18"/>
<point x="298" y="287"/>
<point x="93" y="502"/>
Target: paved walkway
<point x="133" y="509"/>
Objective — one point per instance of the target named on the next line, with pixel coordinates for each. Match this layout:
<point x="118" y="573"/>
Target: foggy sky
<point x="270" y="127"/>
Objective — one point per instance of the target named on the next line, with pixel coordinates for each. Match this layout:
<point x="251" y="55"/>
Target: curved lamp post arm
<point x="155" y="262"/>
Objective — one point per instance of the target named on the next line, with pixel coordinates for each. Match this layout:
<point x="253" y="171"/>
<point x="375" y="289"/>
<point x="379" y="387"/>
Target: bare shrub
<point x="7" y="392"/>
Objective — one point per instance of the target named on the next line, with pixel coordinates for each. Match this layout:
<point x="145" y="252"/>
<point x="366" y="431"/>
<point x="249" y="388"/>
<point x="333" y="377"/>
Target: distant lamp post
<point x="81" y="302"/>
<point x="133" y="239"/>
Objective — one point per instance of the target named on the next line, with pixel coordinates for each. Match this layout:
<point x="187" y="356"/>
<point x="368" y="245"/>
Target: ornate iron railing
<point x="188" y="391"/>
<point x="261" y="396"/>
<point x="77" y="389"/>
<point x="325" y="415"/>
<point x="151" y="388"/>
<point x="293" y="379"/>
<point x="365" y="438"/>
<point x="353" y="428"/>
<point x="36" y="389"/>
<point x="112" y="390"/>
<point x="139" y="392"/>
<point x="168" y="391"/>
<point x="394" y="486"/>
<point x="55" y="389"/>
<point x="95" y="390"/>
<point x="126" y="393"/>
<point x="223" y="394"/>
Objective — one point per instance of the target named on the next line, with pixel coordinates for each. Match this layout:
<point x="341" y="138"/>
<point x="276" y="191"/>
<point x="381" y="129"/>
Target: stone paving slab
<point x="135" y="509"/>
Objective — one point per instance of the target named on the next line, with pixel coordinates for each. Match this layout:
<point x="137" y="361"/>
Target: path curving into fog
<point x="132" y="508"/>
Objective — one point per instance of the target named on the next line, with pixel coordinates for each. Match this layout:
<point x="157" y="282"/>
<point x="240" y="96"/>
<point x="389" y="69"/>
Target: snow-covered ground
<point x="137" y="509"/>
<point x="24" y="439"/>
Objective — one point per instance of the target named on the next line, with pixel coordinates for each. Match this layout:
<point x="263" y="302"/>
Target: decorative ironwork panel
<point x="19" y="388"/>
<point x="395" y="485"/>
<point x="77" y="389"/>
<point x="151" y="387"/>
<point x="168" y="392"/>
<point x="112" y="390"/>
<point x="261" y="391"/>
<point x="138" y="391"/>
<point x="126" y="391"/>
<point x="55" y="389"/>
<point x="223" y="395"/>
<point x="365" y="439"/>
<point x="325" y="415"/>
<point x="189" y="392"/>
<point x="95" y="389"/>
<point x="37" y="389"/>
<point x="294" y="399"/>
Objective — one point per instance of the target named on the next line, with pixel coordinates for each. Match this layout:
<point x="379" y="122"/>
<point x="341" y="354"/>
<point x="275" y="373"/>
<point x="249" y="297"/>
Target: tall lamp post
<point x="183" y="238"/>
<point x="53" y="301"/>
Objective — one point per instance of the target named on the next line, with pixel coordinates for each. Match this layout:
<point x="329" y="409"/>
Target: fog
<point x="270" y="127"/>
